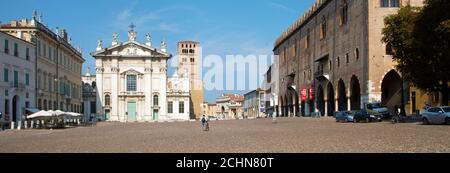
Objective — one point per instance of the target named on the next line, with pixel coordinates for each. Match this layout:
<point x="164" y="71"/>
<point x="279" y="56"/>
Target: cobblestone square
<point x="297" y="135"/>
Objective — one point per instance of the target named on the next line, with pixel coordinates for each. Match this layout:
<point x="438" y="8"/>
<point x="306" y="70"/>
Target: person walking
<point x="203" y="122"/>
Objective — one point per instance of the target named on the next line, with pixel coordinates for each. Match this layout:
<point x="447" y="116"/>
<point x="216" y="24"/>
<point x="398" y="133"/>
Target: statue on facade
<point x="115" y="37"/>
<point x="132" y="33"/>
<point x="148" y="37"/>
<point x="99" y="44"/>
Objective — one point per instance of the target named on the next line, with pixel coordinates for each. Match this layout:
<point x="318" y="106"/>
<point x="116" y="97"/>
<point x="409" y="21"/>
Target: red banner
<point x="303" y="94"/>
<point x="311" y="93"/>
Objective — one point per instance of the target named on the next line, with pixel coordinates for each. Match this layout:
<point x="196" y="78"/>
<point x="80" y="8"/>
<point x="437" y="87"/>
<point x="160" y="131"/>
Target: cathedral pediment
<point x="131" y="72"/>
<point x="131" y="49"/>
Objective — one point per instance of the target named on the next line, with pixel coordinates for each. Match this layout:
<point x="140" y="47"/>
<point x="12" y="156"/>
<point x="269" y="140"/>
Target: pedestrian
<point x="396" y="110"/>
<point x="203" y="122"/>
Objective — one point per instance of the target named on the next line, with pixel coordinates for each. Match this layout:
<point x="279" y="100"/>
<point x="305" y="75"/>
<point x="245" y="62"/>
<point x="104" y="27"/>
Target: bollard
<point x="12" y="125"/>
<point x="19" y="125"/>
<point x="32" y="124"/>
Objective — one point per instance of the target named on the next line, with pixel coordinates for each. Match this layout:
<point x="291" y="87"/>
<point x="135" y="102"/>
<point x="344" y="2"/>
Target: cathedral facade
<point x="133" y="85"/>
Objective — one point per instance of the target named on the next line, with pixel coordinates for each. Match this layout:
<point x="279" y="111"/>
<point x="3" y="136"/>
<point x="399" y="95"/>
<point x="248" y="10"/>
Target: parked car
<point x="436" y="115"/>
<point x="379" y="108"/>
<point x="344" y="116"/>
<point x="367" y="116"/>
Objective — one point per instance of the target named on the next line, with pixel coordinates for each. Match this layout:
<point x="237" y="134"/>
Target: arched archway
<point x="281" y="107"/>
<point x="295" y="99"/>
<point x="342" y="96"/>
<point x="391" y="87"/>
<point x="15" y="108"/>
<point x="355" y="97"/>
<point x="321" y="100"/>
<point x="286" y="106"/>
<point x="331" y="108"/>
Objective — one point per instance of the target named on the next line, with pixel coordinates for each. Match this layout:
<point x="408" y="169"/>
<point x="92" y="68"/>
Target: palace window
<point x="323" y="28"/>
<point x="338" y="61"/>
<point x="131" y="83"/>
<point x="389" y="3"/>
<point x="384" y="3"/>
<point x="49" y="52"/>
<point x="6" y="46"/>
<point x="45" y="105"/>
<point x="191" y="51"/>
<point x="27" y="79"/>
<point x="307" y="38"/>
<point x="395" y="3"/>
<point x="181" y="107"/>
<point x="389" y="50"/>
<point x="357" y="53"/>
<point x="155" y="100"/>
<point x="16" y="49"/>
<point x="107" y="100"/>
<point x="344" y="13"/>
<point x="5" y="75"/>
<point x="27" y="56"/>
<point x="295" y="48"/>
<point x="170" y="107"/>
<point x="347" y="58"/>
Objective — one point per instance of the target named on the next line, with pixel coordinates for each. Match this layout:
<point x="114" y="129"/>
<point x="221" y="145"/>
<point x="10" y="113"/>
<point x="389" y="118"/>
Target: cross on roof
<point x="132" y="26"/>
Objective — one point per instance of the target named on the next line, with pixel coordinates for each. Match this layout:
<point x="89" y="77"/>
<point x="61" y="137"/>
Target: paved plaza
<point x="234" y="136"/>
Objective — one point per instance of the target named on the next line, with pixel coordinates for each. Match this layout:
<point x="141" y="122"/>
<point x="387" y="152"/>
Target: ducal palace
<point x="332" y="59"/>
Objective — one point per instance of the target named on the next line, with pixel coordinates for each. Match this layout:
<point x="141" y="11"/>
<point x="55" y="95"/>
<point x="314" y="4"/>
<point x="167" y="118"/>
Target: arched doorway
<point x="330" y="97"/>
<point x="342" y="97"/>
<point x="321" y="100"/>
<point x="15" y="108"/>
<point x="391" y="89"/>
<point x="355" y="97"/>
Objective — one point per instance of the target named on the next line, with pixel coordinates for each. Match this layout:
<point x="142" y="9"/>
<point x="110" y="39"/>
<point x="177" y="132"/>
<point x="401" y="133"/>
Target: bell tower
<point x="188" y="64"/>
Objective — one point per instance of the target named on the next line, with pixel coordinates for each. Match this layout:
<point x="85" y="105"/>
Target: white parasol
<point x="40" y="114"/>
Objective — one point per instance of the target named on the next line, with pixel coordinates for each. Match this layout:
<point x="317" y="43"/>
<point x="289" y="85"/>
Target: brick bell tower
<point x="189" y="62"/>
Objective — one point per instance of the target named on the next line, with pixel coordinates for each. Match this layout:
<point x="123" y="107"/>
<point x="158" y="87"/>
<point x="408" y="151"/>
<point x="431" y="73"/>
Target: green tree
<point x="420" y="38"/>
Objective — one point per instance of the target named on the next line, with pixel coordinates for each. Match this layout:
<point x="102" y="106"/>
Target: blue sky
<point x="222" y="27"/>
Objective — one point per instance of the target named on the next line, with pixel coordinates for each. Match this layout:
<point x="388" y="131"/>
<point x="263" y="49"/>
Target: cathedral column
<point x="99" y="83"/>
<point x="115" y="88"/>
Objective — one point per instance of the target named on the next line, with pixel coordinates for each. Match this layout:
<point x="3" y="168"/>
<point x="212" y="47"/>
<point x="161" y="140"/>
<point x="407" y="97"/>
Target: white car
<point x="437" y="115"/>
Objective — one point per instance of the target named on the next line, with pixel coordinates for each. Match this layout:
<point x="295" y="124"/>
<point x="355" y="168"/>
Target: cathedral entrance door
<point x="155" y="115"/>
<point x="131" y="111"/>
<point x="107" y="114"/>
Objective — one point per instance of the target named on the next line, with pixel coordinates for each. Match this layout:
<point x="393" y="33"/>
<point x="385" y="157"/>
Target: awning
<point x="40" y="114"/>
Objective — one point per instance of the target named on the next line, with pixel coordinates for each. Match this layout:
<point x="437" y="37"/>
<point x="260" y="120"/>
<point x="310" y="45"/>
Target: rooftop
<point x="300" y="22"/>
